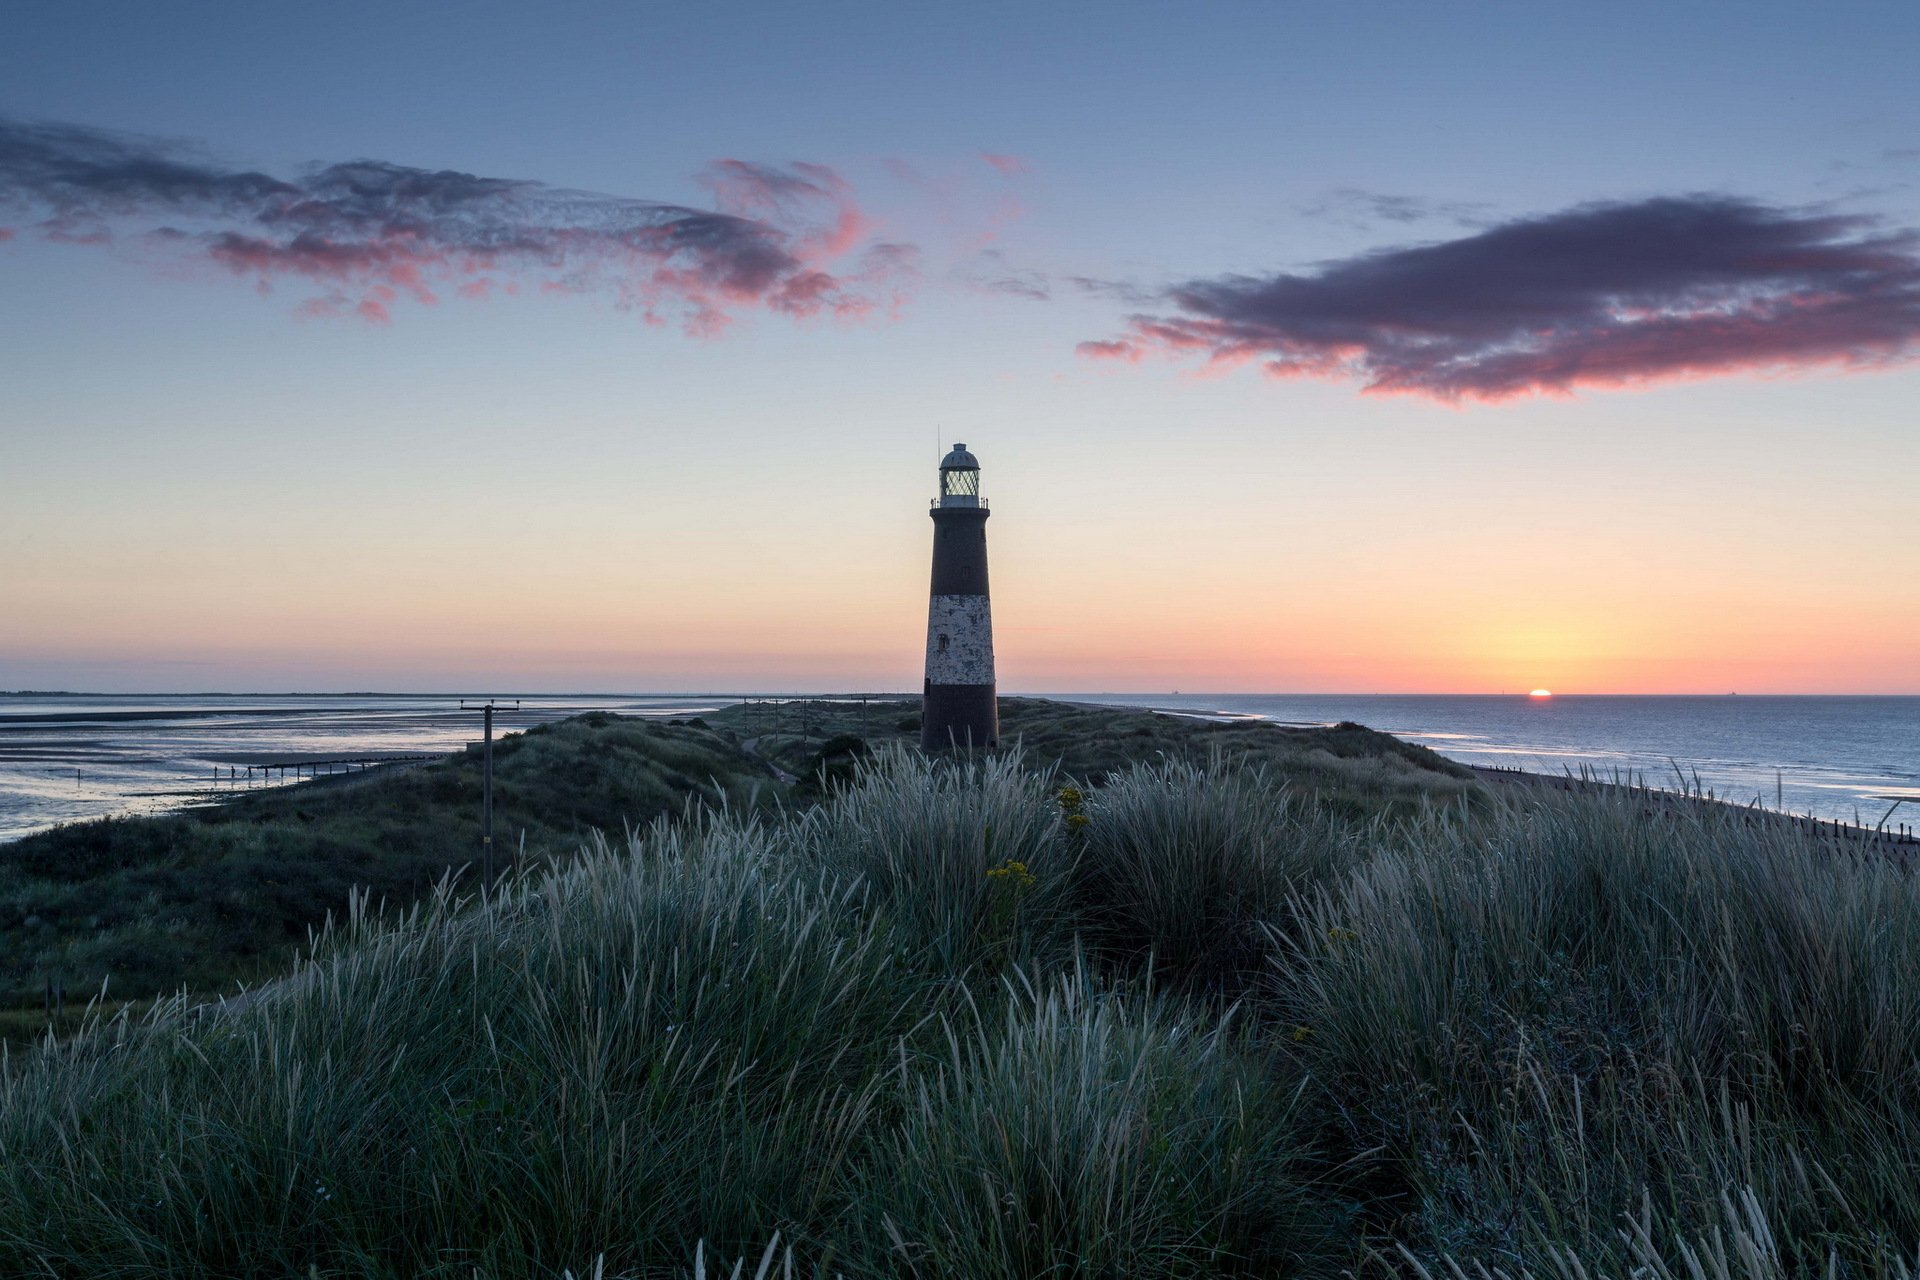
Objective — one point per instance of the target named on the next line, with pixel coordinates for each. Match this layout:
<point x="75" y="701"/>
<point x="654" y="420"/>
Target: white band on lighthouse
<point x="960" y="640"/>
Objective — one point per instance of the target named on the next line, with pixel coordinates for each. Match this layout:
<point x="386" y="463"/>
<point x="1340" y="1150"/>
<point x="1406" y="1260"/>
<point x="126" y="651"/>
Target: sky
<point x="1305" y="348"/>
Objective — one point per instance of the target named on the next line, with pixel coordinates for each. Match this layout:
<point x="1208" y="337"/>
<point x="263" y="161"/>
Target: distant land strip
<point x="191" y="713"/>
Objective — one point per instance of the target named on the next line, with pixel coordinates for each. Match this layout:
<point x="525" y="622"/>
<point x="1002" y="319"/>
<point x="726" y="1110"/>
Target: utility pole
<point x="487" y="708"/>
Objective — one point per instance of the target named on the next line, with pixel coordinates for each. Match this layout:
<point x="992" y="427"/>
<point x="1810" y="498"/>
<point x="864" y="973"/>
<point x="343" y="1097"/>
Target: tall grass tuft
<point x="611" y="1063"/>
<point x="1579" y="1011"/>
<point x="1740" y="1245"/>
<point x="925" y="835"/>
<point x="1085" y="1133"/>
<point x="1189" y="862"/>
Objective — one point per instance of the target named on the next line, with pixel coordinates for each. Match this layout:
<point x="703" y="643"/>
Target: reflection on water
<point x="66" y="757"/>
<point x="1833" y="757"/>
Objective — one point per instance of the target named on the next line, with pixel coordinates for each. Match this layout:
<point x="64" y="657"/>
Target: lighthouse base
<point x="959" y="715"/>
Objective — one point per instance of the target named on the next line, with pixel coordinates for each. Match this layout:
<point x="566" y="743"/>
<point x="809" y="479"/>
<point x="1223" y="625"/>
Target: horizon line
<point x="907" y="695"/>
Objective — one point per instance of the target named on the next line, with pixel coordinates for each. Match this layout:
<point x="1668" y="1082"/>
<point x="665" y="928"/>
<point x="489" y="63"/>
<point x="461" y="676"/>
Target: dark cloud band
<point x="790" y="240"/>
<point x="1603" y="295"/>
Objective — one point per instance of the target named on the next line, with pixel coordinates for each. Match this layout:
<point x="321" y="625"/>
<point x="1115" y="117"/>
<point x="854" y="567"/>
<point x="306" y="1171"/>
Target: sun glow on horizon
<point x="1541" y="693"/>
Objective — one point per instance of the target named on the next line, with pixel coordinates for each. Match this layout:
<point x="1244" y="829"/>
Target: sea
<point x="1836" y="758"/>
<point x="66" y="757"/>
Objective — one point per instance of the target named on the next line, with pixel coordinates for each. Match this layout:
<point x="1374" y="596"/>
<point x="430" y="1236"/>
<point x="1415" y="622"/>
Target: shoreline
<point x="1845" y="762"/>
<point x="296" y="766"/>
<point x="1874" y="837"/>
<point x="1898" y="837"/>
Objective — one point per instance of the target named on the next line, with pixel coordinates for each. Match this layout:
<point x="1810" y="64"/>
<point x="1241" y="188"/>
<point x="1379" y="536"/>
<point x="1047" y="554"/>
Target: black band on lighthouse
<point x="959" y="551"/>
<point x="959" y="715"/>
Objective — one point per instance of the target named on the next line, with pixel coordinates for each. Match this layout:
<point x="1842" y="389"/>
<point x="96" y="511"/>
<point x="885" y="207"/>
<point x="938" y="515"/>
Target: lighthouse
<point x="958" y="707"/>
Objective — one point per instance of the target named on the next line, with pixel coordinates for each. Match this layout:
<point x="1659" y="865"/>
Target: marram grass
<point x="1079" y="1130"/>
<point x="963" y="1020"/>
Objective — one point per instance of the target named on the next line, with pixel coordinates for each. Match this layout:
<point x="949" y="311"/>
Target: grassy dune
<point x="1347" y="765"/>
<point x="226" y="893"/>
<point x="960" y="1020"/>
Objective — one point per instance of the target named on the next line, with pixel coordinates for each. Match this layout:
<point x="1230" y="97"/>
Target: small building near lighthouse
<point x="959" y="707"/>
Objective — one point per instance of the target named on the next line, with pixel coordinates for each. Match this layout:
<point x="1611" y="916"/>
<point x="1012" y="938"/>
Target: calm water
<point x="1832" y="757"/>
<point x="83" y="756"/>
<point x="69" y="757"/>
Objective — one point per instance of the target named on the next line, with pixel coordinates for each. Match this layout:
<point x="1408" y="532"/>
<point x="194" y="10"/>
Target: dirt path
<point x="752" y="747"/>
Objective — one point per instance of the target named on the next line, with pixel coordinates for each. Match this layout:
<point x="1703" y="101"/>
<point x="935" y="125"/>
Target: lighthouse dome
<point x="959" y="460"/>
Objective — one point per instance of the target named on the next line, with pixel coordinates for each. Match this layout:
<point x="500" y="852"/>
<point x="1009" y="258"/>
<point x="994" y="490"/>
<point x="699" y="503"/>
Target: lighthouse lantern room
<point x="958" y="708"/>
<point x="959" y="479"/>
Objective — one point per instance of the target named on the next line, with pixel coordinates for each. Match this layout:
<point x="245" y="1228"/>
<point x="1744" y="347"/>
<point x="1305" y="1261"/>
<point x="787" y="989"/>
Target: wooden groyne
<point x="235" y="769"/>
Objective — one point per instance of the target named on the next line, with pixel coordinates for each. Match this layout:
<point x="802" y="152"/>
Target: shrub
<point x="835" y="765"/>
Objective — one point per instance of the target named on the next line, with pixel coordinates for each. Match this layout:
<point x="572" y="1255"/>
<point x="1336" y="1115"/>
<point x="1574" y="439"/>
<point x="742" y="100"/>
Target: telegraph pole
<point x="487" y="709"/>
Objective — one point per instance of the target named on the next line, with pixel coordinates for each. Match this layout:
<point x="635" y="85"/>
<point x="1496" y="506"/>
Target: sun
<point x="1541" y="693"/>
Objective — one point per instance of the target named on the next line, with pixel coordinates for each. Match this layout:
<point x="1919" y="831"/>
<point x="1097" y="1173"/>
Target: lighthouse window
<point x="960" y="483"/>
<point x="943" y="644"/>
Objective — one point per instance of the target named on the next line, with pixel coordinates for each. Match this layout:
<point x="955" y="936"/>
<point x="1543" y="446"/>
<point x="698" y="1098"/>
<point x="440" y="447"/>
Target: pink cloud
<point x="1599" y="296"/>
<point x="1011" y="166"/>
<point x="790" y="239"/>
<point x="809" y="198"/>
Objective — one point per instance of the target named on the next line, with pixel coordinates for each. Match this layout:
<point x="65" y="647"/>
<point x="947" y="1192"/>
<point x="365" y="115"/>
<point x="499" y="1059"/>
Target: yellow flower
<point x="1071" y="798"/>
<point x="1014" y="871"/>
<point x="1302" y="1034"/>
<point x="1078" y="821"/>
